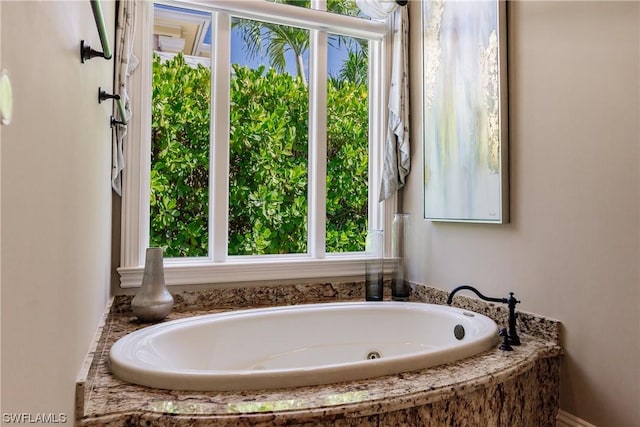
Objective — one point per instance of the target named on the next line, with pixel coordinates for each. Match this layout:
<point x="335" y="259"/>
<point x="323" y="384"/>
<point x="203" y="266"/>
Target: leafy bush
<point x="268" y="163"/>
<point x="268" y="170"/>
<point x="347" y="167"/>
<point x="180" y="158"/>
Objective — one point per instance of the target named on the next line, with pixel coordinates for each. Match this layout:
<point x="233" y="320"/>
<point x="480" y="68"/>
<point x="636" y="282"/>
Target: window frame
<point x="219" y="267"/>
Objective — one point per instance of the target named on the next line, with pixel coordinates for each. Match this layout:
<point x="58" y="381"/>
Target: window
<point x="255" y="142"/>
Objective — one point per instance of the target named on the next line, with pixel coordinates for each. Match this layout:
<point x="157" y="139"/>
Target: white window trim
<point x="223" y="269"/>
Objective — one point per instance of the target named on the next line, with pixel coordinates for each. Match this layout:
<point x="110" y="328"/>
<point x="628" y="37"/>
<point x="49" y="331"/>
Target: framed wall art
<point x="466" y="168"/>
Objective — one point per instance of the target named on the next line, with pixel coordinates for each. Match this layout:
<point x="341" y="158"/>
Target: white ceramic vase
<point x="153" y="301"/>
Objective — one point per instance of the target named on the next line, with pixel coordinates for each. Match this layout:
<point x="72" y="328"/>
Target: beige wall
<point x="571" y="251"/>
<point x="56" y="202"/>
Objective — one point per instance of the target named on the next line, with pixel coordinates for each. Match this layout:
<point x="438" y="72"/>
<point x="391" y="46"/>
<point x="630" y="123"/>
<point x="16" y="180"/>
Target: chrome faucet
<point x="512" y="335"/>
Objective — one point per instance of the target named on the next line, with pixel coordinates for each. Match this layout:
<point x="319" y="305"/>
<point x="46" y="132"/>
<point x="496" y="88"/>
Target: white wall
<point x="56" y="202"/>
<point x="571" y="251"/>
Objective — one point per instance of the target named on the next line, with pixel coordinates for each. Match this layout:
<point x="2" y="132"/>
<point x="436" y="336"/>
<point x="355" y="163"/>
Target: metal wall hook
<point x="86" y="52"/>
<point x="114" y="122"/>
<point x="102" y="95"/>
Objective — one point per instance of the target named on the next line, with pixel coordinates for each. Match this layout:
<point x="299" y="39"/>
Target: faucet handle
<point x="505" y="346"/>
<point x="512" y="300"/>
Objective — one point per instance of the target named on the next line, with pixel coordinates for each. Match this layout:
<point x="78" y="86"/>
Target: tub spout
<point x="511" y="302"/>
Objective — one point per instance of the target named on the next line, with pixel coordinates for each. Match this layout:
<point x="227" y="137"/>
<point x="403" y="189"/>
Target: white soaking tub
<point x="298" y="345"/>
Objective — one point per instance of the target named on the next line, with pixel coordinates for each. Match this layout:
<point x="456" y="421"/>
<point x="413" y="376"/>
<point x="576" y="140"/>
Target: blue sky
<point x="335" y="57"/>
<point x="238" y="56"/>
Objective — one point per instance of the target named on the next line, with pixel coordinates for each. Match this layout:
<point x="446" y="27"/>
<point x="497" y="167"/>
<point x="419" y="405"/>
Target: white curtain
<point x="126" y="62"/>
<point x="397" y="153"/>
<point x="377" y="9"/>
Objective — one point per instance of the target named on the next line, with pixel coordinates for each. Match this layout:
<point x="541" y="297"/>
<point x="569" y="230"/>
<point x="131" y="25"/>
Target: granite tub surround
<point x="494" y="388"/>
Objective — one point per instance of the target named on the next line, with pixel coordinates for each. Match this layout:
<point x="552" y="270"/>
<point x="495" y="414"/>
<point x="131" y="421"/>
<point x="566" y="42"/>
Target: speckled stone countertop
<point x="102" y="399"/>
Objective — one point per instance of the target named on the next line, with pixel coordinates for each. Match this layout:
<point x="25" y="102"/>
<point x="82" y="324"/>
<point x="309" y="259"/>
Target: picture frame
<point x="465" y="109"/>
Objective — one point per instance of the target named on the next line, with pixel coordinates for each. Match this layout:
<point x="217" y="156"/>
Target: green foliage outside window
<point x="268" y="169"/>
<point x="180" y="158"/>
<point x="268" y="163"/>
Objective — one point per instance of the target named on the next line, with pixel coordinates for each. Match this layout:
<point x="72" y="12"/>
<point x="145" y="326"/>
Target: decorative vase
<point x="374" y="265"/>
<point x="399" y="284"/>
<point x="153" y="301"/>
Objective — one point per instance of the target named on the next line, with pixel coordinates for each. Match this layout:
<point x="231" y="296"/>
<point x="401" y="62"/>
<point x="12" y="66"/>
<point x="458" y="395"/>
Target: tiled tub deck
<point x="494" y="388"/>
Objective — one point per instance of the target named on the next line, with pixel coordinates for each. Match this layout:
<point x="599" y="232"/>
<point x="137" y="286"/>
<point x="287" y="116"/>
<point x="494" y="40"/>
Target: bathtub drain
<point x="373" y="355"/>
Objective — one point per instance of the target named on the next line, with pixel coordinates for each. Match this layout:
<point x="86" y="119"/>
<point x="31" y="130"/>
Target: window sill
<point x="252" y="269"/>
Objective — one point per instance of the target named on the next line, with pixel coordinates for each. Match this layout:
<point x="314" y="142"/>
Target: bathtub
<point x="298" y="345"/>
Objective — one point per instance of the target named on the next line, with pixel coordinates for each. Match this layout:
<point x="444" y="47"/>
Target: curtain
<point x="397" y="152"/>
<point x="377" y="9"/>
<point x="125" y="64"/>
